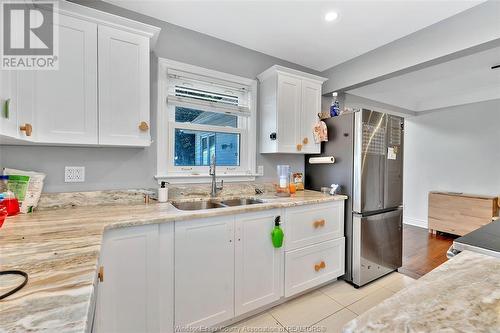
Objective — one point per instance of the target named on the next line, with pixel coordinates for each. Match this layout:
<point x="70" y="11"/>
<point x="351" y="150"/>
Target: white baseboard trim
<point x="415" y="222"/>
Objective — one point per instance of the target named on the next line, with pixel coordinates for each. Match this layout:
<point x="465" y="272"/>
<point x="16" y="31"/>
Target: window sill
<point x="197" y="179"/>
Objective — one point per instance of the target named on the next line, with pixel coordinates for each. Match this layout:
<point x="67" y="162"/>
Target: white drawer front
<point x="313" y="265"/>
<point x="312" y="224"/>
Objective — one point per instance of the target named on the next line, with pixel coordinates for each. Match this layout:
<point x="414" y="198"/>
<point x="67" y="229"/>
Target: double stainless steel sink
<point x="211" y="204"/>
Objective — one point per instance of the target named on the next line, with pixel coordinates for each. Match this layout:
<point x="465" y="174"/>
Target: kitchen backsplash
<point x="136" y="196"/>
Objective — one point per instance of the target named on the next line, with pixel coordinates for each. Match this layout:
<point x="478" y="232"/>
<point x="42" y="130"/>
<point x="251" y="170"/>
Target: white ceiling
<point x="465" y="80"/>
<point x="296" y="30"/>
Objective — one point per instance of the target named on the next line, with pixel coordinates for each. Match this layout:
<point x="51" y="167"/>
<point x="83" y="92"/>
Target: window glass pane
<point x="186" y="115"/>
<point x="194" y="148"/>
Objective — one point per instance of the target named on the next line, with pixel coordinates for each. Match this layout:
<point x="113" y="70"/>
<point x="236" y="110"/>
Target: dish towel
<point x="320" y="132"/>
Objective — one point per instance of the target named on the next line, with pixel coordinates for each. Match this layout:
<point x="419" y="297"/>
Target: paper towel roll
<point x="322" y="160"/>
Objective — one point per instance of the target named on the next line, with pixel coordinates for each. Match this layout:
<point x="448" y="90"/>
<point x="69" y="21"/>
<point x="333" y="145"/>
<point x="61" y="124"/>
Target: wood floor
<point x="422" y="252"/>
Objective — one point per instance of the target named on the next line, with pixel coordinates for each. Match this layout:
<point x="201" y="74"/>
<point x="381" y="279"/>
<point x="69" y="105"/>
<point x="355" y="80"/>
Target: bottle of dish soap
<point x="277" y="233"/>
<point x="163" y="192"/>
<point x="335" y="107"/>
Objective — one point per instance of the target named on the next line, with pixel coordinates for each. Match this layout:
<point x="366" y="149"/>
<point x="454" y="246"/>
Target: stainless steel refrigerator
<point x="368" y="151"/>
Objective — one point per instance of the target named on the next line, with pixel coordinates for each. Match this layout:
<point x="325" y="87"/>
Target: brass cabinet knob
<point x="27" y="129"/>
<point x="100" y="274"/>
<point x="143" y="126"/>
<point x="305" y="141"/>
<point x="299" y="147"/>
<point x="319" y="223"/>
<point x="319" y="266"/>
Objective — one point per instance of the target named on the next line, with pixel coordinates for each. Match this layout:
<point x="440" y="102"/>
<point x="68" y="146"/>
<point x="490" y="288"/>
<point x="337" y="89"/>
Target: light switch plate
<point x="74" y="174"/>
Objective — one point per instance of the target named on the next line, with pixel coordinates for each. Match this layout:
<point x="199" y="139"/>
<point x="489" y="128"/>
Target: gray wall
<point x="452" y="149"/>
<point x="117" y="168"/>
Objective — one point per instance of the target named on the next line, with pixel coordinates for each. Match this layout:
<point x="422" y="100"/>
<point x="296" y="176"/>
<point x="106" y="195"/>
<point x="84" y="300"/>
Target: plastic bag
<point x="29" y="195"/>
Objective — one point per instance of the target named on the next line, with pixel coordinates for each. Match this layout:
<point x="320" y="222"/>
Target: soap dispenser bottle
<point x="163" y="192"/>
<point x="277" y="233"/>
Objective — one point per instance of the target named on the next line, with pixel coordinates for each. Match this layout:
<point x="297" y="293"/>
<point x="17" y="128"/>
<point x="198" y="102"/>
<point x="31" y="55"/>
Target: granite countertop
<point x="59" y="249"/>
<point x="462" y="295"/>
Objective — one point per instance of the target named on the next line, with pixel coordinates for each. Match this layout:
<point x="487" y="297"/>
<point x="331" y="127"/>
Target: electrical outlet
<point x="74" y="174"/>
<point x="260" y="170"/>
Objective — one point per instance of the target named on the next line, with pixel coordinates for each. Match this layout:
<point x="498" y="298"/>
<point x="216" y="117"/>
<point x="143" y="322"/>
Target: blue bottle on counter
<point x="335" y="107"/>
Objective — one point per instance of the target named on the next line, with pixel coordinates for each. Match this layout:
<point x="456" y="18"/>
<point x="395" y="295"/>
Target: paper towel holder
<point x="322" y="160"/>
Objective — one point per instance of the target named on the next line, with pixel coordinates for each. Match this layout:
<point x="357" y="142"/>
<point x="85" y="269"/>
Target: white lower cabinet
<point x="308" y="225"/>
<point x="313" y="265"/>
<point x="258" y="265"/>
<point x="204" y="271"/>
<point x="136" y="294"/>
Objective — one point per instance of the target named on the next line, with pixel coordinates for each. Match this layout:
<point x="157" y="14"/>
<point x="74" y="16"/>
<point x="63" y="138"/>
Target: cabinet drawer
<point x="313" y="265"/>
<point x="312" y="224"/>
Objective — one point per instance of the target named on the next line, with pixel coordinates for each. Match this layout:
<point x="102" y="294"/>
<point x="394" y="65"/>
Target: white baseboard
<point x="415" y="222"/>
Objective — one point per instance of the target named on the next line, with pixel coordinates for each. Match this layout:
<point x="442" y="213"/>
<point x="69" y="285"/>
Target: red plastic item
<point x="3" y="215"/>
<point x="12" y="206"/>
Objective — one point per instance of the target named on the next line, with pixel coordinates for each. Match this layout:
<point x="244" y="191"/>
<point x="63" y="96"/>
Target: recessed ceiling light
<point x="331" y="16"/>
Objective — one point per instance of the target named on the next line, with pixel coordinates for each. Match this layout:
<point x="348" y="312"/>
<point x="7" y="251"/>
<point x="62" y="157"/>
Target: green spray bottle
<point x="277" y="233"/>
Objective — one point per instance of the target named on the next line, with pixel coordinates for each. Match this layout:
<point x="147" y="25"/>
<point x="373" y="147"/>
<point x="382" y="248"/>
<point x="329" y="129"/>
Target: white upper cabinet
<point x="311" y="106"/>
<point x="99" y="95"/>
<point x="63" y="102"/>
<point x="289" y="97"/>
<point x="8" y="104"/>
<point x="123" y="88"/>
<point x="290" y="101"/>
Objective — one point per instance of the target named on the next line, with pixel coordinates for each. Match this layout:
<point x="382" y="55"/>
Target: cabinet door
<point x="130" y="292"/>
<point x="204" y="271"/>
<point x="289" y="105"/>
<point x="258" y="271"/>
<point x="311" y="106"/>
<point x="8" y="104"/>
<point x="123" y="88"/>
<point x="63" y="102"/>
<point x="166" y="290"/>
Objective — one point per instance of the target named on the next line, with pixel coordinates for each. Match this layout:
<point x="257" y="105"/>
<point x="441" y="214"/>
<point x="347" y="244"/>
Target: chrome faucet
<point x="215" y="188"/>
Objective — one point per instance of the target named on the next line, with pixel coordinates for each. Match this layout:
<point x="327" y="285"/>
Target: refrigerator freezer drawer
<point x="377" y="245"/>
<point x="313" y="265"/>
<point x="312" y="224"/>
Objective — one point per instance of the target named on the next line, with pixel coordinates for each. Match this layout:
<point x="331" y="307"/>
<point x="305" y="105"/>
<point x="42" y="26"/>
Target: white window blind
<point x="185" y="91"/>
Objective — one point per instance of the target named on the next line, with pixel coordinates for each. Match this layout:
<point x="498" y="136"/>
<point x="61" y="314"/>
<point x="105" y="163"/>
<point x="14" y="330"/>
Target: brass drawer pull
<point x="100" y="274"/>
<point x="299" y="147"/>
<point x="27" y="128"/>
<point x="143" y="126"/>
<point x="319" y="266"/>
<point x="319" y="223"/>
<point x="305" y="141"/>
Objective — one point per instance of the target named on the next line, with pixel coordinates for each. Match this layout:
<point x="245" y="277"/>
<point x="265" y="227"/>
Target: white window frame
<point x="166" y="170"/>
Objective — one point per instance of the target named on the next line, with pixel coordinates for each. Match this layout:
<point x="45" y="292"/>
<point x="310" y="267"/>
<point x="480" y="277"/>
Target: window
<point x="202" y="115"/>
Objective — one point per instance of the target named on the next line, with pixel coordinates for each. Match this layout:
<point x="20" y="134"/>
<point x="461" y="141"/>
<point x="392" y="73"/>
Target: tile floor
<point x="327" y="309"/>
